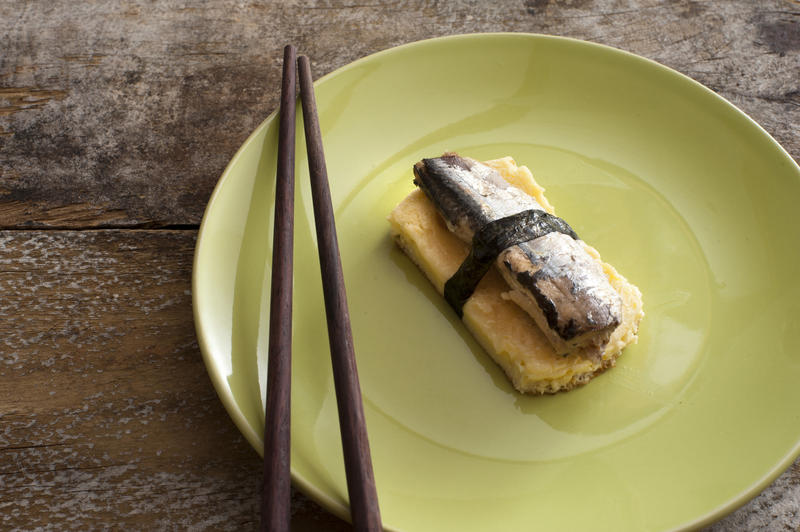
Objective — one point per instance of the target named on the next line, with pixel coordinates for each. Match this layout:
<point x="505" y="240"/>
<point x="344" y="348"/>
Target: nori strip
<point x="487" y="244"/>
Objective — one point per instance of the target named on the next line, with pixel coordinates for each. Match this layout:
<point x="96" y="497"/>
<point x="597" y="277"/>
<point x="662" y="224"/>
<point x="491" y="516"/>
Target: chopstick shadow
<point x="251" y="279"/>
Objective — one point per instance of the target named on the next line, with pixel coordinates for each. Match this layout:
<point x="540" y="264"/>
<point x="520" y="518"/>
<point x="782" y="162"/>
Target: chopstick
<point x="364" y="509"/>
<point x="276" y="492"/>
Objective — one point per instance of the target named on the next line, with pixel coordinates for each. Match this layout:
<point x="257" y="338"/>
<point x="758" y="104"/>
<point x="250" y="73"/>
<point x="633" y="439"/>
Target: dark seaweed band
<point x="487" y="244"/>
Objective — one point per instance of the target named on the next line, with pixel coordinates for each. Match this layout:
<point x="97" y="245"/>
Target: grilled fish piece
<point x="551" y="277"/>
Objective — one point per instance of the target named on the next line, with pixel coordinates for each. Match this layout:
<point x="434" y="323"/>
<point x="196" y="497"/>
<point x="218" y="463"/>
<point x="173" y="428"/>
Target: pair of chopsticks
<point x="275" y="509"/>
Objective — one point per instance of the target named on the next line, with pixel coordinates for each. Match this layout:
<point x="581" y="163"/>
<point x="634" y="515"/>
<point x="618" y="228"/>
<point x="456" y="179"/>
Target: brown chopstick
<point x="276" y="493"/>
<point x="357" y="462"/>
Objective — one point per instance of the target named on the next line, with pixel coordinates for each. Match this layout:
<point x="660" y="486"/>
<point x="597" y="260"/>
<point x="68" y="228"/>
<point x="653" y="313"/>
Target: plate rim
<point x="224" y="392"/>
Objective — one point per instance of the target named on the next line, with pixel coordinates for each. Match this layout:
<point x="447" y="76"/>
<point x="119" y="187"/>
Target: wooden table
<point x="116" y="119"/>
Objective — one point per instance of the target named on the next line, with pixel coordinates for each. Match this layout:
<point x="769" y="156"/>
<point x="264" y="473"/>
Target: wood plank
<point x="121" y="114"/>
<point x="107" y="415"/>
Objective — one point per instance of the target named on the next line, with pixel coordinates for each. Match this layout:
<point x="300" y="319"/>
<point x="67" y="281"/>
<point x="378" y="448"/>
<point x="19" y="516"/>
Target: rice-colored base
<point x="506" y="332"/>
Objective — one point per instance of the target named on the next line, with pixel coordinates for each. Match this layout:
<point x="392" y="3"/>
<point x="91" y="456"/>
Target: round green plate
<point x="689" y="198"/>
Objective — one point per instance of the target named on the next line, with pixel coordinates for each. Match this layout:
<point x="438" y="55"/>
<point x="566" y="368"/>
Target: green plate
<point x="684" y="194"/>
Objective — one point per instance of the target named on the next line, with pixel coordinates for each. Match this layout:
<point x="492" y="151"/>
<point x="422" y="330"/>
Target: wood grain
<point x="127" y="112"/>
<point x="121" y="114"/>
<point x="108" y="416"/>
<point x="106" y="406"/>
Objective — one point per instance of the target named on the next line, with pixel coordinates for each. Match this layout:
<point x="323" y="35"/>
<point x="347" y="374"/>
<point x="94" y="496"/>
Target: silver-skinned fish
<point x="551" y="277"/>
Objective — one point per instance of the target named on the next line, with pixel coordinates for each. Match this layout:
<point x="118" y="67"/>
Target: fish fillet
<point x="553" y="278"/>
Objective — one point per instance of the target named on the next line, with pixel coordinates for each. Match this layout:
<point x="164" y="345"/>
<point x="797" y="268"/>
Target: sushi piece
<point x="494" y="311"/>
<point x="552" y="277"/>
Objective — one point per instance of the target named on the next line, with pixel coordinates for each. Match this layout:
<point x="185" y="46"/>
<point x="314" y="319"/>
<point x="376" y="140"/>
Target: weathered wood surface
<point x="108" y="416"/>
<point x="121" y="115"/>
